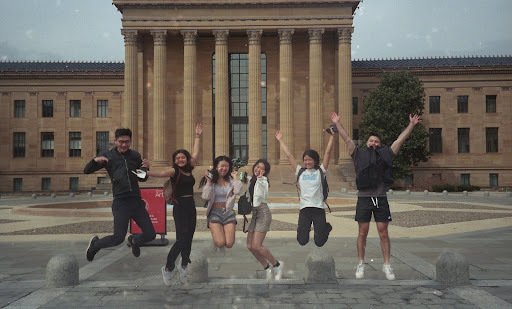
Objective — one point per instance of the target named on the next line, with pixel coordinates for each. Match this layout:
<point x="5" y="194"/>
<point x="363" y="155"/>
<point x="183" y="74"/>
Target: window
<point x="75" y="108"/>
<point x="435" y="104"/>
<point x="493" y="180"/>
<point x="435" y="140"/>
<point x="101" y="180"/>
<point x="238" y="104"/>
<point x="462" y="104"/>
<point x="491" y="139"/>
<point x="19" y="108"/>
<point x="102" y="142"/>
<point x="75" y="144"/>
<point x="354" y="106"/>
<point x="18" y="143"/>
<point x="47" y="108"/>
<point x="102" y="108"/>
<point x="47" y="144"/>
<point x="46" y="184"/>
<point x="73" y="183"/>
<point x="17" y="184"/>
<point x="463" y="140"/>
<point x="464" y="179"/>
<point x="490" y="104"/>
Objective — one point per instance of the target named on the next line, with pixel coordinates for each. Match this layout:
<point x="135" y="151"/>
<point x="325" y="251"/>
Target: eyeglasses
<point x="126" y="142"/>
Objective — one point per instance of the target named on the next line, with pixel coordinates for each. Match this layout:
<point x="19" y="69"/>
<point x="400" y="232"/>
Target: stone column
<point x="140" y="96"/>
<point x="315" y="90"/>
<point x="345" y="89"/>
<point x="129" y="109"/>
<point x="254" y="108"/>
<point x="285" y="91"/>
<point x="221" y="93"/>
<point x="189" y="87"/>
<point x="159" y="86"/>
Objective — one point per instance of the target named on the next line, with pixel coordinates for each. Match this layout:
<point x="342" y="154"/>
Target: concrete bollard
<point x="71" y="194"/>
<point x="320" y="267"/>
<point x="89" y="194"/>
<point x="34" y="196"/>
<point x="54" y="195"/>
<point x="390" y="191"/>
<point x="445" y="192"/>
<point x="486" y="193"/>
<point x="425" y="192"/>
<point x="61" y="271"/>
<point x="465" y="193"/>
<point x="197" y="270"/>
<point x="452" y="268"/>
<point x="408" y="192"/>
<point x="105" y="193"/>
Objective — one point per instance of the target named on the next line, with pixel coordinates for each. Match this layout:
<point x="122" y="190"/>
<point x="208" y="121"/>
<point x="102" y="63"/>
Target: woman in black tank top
<point x="184" y="208"/>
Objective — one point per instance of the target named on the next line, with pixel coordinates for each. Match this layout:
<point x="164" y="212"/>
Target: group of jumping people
<point x="221" y="186"/>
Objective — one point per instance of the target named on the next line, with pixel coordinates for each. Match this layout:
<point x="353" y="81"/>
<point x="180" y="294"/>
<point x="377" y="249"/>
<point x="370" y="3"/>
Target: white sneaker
<point x="167" y="276"/>
<point x="388" y="271"/>
<point x="183" y="274"/>
<point x="268" y="274"/>
<point x="278" y="271"/>
<point x="360" y="271"/>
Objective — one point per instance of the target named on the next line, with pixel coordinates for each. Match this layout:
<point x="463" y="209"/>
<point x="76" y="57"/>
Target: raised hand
<point x="414" y="119"/>
<point x="279" y="135"/>
<point x="335" y="118"/>
<point x="199" y="129"/>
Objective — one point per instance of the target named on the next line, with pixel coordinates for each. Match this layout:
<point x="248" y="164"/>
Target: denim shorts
<point x="217" y="215"/>
<point x="261" y="219"/>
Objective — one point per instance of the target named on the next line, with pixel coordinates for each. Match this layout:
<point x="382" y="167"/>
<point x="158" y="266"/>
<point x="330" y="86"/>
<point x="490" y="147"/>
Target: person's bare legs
<point x="218" y="236"/>
<point x="361" y="240"/>
<point x="261" y="253"/>
<point x="229" y="234"/>
<point x="385" y="243"/>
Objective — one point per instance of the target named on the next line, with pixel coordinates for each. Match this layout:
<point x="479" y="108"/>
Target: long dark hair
<point x="188" y="167"/>
<point x="313" y="155"/>
<point x="252" y="183"/>
<point x="215" y="173"/>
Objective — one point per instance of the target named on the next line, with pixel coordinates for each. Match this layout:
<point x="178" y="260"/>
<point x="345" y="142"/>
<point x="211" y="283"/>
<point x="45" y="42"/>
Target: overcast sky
<point x="89" y="30"/>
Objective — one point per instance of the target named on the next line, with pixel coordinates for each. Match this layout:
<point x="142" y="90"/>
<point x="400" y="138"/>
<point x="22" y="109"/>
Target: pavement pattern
<point x="477" y="226"/>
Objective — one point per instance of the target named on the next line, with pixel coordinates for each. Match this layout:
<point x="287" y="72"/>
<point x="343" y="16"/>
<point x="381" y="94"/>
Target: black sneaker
<point x="90" y="253"/>
<point x="329" y="228"/>
<point x="135" y="247"/>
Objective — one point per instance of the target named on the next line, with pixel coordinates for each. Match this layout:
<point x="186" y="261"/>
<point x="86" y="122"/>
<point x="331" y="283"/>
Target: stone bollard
<point x="320" y="267"/>
<point x="89" y="194"/>
<point x="465" y="193"/>
<point x="486" y="193"/>
<point x="71" y="194"/>
<point x="54" y="195"/>
<point x="390" y="192"/>
<point x="197" y="270"/>
<point x="61" y="271"/>
<point x="445" y="192"/>
<point x="408" y="192"/>
<point x="34" y="196"/>
<point x="425" y="192"/>
<point x="105" y="193"/>
<point x="452" y="268"/>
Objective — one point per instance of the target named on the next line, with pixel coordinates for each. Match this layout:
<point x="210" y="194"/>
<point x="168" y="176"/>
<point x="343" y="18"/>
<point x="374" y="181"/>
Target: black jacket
<point x="119" y="168"/>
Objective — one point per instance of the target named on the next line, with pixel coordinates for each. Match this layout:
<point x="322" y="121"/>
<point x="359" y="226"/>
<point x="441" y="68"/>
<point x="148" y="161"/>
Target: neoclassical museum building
<point x="243" y="69"/>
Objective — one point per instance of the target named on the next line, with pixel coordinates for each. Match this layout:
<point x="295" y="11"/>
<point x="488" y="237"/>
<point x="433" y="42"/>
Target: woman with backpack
<point x="311" y="192"/>
<point x="260" y="221"/>
<point x="184" y="208"/>
<point x="220" y="191"/>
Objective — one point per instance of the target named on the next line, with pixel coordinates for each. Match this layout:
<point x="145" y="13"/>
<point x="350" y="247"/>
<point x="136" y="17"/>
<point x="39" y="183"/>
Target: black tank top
<point x="185" y="185"/>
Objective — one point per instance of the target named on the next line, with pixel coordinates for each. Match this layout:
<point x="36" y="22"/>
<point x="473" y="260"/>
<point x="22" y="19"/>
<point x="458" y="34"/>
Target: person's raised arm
<point x="413" y="121"/>
<point x="328" y="151"/>
<point x="197" y="145"/>
<point x="335" y="118"/>
<point x="169" y="172"/>
<point x="279" y="137"/>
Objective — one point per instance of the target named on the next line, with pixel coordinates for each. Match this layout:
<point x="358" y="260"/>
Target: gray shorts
<point x="217" y="215"/>
<point x="261" y="219"/>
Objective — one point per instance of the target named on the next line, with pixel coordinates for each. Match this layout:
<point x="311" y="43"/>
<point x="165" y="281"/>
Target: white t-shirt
<point x="310" y="184"/>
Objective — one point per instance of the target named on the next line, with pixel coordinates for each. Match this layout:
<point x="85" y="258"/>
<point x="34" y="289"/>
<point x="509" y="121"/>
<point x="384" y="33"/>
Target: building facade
<point x="243" y="70"/>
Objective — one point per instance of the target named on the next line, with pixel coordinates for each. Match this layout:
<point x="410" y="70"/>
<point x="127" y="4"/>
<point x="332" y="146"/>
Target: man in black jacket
<point x="122" y="164"/>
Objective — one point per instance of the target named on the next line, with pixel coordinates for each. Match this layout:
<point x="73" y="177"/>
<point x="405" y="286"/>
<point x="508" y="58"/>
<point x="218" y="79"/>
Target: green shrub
<point x="442" y="187"/>
<point x="468" y="188"/>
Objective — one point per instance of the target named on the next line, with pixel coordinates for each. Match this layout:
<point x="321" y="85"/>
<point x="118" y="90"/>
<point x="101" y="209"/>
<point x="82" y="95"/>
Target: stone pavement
<point x="117" y="279"/>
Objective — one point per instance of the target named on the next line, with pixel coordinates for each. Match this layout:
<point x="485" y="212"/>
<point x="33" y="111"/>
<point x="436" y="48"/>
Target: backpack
<point x="373" y="166"/>
<point x="244" y="208"/>
<point x="169" y="189"/>
<point x="325" y="185"/>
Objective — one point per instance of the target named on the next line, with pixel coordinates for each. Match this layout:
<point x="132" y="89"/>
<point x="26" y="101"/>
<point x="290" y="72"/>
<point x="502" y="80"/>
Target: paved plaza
<point x="477" y="226"/>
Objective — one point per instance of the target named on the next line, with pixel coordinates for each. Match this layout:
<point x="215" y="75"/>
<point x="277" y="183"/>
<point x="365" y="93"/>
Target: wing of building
<point x="243" y="69"/>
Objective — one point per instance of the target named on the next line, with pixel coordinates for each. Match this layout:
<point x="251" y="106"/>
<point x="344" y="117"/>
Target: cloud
<point x="28" y="34"/>
<point x="389" y="44"/>
<point x="106" y="35"/>
<point x="435" y="29"/>
<point x="58" y="3"/>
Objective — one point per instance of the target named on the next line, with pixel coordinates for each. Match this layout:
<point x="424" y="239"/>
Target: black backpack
<point x="372" y="167"/>
<point x="325" y="185"/>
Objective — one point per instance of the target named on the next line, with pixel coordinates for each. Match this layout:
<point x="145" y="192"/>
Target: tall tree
<point x="386" y="112"/>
